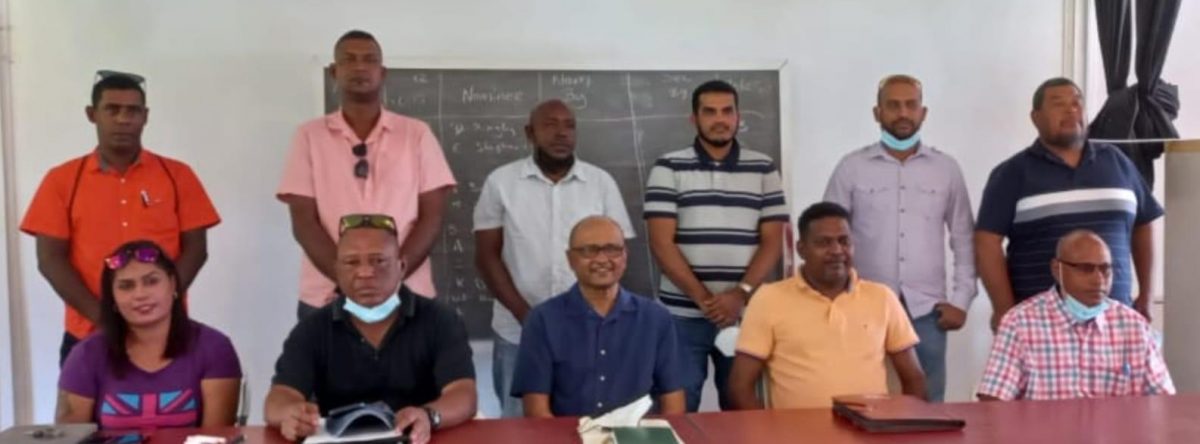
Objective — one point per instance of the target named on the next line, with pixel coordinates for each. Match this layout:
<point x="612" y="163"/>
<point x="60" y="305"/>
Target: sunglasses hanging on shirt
<point x="361" y="168"/>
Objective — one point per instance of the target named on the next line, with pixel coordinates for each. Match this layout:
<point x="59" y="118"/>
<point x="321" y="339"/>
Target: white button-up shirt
<point x="536" y="216"/>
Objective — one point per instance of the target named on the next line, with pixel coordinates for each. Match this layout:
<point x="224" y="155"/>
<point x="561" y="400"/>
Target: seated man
<point x="823" y="332"/>
<point x="377" y="342"/>
<point x="1072" y="341"/>
<point x="597" y="347"/>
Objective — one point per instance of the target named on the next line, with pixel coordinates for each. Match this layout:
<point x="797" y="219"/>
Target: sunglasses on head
<point x="106" y="73"/>
<point x="361" y="168"/>
<point x="380" y="221"/>
<point x="147" y="255"/>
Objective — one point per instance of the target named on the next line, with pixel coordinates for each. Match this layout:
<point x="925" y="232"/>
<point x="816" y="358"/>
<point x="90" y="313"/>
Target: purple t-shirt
<point x="169" y="397"/>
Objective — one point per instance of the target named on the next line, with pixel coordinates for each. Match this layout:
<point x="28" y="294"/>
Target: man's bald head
<point x="1082" y="267"/>
<point x="552" y="105"/>
<point x="594" y="223"/>
<point x="551" y="131"/>
<point x="1080" y="242"/>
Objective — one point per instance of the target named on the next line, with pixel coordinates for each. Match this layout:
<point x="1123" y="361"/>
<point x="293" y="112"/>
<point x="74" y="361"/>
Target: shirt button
<point x="599" y="405"/>
<point x="901" y="210"/>
<point x="122" y="180"/>
<point x="601" y="378"/>
<point x="122" y="201"/>
<point x="901" y="234"/>
<point x="902" y="187"/>
<point x="602" y="352"/>
<point x="124" y="224"/>
<point x="901" y="259"/>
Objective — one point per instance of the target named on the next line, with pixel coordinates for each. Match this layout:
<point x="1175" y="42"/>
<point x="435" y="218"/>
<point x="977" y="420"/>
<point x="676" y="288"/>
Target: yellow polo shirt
<point x="816" y="348"/>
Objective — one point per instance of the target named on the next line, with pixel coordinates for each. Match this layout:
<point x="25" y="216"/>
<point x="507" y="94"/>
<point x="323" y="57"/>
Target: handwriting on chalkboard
<point x="471" y="95"/>
<point x="626" y="119"/>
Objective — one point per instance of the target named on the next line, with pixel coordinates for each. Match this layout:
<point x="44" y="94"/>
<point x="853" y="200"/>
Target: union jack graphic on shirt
<point x="176" y="408"/>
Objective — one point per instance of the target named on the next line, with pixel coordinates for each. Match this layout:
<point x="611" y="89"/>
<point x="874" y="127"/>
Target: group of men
<point x="366" y="189"/>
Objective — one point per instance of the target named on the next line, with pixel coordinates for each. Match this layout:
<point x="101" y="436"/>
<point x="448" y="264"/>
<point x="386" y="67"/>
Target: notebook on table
<point x="894" y="414"/>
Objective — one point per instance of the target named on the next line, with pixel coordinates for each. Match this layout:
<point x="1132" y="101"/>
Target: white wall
<point x="230" y="80"/>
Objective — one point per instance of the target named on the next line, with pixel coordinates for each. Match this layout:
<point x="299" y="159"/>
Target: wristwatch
<point x="435" y="418"/>
<point x="749" y="289"/>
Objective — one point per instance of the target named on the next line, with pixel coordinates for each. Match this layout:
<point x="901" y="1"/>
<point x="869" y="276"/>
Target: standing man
<point x="715" y="212"/>
<point x="363" y="158"/>
<point x="904" y="195"/>
<point x="86" y="207"/>
<point x="1061" y="183"/>
<point x="522" y="225"/>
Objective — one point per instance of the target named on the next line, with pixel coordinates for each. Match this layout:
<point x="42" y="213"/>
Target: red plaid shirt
<point x="1039" y="352"/>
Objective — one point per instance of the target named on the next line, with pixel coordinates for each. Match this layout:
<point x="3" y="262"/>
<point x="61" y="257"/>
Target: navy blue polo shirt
<point x="589" y="364"/>
<point x="1034" y="198"/>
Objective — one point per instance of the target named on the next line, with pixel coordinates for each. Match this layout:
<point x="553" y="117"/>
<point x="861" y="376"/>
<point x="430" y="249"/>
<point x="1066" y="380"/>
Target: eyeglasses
<point x="106" y="73"/>
<point x="146" y="255"/>
<point x="612" y="251"/>
<point x="361" y="168"/>
<point x="380" y="221"/>
<point x="1089" y="268"/>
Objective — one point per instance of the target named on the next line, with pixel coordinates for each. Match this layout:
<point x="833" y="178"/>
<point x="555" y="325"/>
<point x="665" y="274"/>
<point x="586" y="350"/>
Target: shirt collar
<point x="706" y="161"/>
<point x="1060" y="308"/>
<point x="578" y="306"/>
<point x="529" y="169"/>
<point x="408" y="307"/>
<point x="1040" y="150"/>
<point x="880" y="151"/>
<point x="804" y="286"/>
<point x="336" y="122"/>
<point x="99" y="165"/>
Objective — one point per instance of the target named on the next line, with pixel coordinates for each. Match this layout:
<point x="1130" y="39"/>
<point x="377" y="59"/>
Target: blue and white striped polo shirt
<point x="718" y="206"/>
<point x="1034" y="198"/>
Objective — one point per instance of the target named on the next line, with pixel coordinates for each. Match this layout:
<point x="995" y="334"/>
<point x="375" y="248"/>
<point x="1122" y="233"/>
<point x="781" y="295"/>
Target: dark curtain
<point x="1146" y="109"/>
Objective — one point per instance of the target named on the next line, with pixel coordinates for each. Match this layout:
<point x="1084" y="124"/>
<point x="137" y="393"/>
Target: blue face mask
<point x="892" y="143"/>
<point x="374" y="314"/>
<point x="1080" y="312"/>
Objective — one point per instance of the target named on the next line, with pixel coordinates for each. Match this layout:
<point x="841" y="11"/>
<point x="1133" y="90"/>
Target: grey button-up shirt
<point x="899" y="216"/>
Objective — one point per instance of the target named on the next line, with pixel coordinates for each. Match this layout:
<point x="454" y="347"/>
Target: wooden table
<point x="1133" y="420"/>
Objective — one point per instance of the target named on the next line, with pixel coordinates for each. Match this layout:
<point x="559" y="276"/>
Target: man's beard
<point x="550" y="164"/>
<point x="719" y="143"/>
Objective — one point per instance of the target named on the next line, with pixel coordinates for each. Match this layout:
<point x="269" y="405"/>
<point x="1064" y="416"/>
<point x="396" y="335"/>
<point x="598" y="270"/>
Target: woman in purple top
<point x="148" y="366"/>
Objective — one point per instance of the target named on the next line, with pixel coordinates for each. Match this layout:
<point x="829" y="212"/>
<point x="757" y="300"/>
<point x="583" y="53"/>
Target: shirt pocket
<point x="158" y="212"/>
<point x="931" y="202"/>
<point x="874" y="197"/>
<point x="1120" y="378"/>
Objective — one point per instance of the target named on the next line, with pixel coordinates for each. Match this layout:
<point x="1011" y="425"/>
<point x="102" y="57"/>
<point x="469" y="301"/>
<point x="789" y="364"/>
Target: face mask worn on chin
<point x="1077" y="310"/>
<point x="374" y="314"/>
<point x="895" y="144"/>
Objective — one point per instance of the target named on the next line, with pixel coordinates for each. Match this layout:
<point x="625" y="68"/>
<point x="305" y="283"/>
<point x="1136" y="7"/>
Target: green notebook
<point x="644" y="435"/>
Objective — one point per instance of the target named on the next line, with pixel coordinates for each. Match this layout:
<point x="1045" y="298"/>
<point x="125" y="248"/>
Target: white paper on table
<point x="323" y="436"/>
<point x="597" y="430"/>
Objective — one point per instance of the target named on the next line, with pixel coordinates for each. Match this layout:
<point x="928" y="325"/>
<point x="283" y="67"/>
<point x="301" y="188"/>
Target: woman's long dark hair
<point x="116" y="330"/>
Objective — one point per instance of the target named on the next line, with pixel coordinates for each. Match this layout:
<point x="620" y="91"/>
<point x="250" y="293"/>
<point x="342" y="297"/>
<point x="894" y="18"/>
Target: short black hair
<point x="356" y="34"/>
<point x="116" y="329"/>
<point x="820" y="210"/>
<point x="712" y="86"/>
<point x="116" y="82"/>
<point x="1040" y="94"/>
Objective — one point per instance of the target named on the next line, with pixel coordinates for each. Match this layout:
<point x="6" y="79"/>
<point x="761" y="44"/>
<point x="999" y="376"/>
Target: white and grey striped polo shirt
<point x="718" y="206"/>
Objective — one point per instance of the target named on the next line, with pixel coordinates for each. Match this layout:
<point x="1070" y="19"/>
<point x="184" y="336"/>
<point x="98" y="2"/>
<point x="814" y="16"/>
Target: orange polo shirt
<point x="816" y="348"/>
<point x="156" y="199"/>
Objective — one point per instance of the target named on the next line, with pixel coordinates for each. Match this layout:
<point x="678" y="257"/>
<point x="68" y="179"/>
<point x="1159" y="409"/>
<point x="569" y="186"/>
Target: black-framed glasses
<point x="361" y="168"/>
<point x="380" y="221"/>
<point x="1089" y="268"/>
<point x="611" y="251"/>
<point x="108" y="73"/>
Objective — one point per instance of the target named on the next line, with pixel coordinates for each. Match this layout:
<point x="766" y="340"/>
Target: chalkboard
<point x="625" y="120"/>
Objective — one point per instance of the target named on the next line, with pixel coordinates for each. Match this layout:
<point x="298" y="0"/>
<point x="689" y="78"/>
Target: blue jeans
<point x="696" y="336"/>
<point x="931" y="353"/>
<point x="504" y="366"/>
